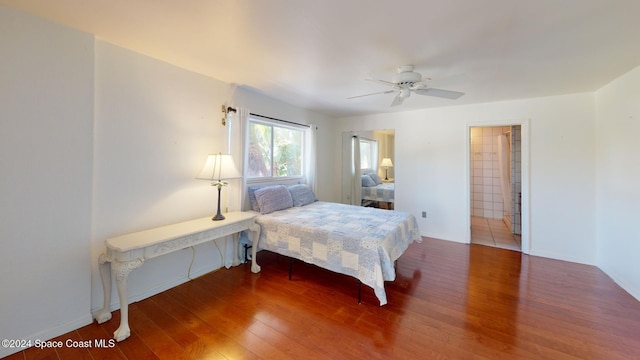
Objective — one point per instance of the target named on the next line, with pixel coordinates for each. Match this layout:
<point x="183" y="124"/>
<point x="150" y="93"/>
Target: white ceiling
<point x="316" y="53"/>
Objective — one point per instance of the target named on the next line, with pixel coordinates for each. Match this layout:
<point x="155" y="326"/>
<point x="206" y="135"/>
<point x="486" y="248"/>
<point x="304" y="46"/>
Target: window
<point x="368" y="154"/>
<point x="274" y="150"/>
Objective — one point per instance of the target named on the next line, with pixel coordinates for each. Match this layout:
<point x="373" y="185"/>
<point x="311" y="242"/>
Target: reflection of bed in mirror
<point x="375" y="191"/>
<point x="368" y="152"/>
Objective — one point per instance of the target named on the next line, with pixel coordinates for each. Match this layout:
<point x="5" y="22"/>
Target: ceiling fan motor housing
<point x="406" y="76"/>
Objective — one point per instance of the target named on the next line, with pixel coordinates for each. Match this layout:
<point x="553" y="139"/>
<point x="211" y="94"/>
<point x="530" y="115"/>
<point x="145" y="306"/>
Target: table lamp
<point x="386" y="164"/>
<point x="217" y="168"/>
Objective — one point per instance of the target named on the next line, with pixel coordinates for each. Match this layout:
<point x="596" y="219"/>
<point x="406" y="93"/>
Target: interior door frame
<point x="525" y="174"/>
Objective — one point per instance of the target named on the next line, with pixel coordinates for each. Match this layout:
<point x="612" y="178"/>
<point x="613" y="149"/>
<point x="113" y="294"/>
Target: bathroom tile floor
<point x="493" y="232"/>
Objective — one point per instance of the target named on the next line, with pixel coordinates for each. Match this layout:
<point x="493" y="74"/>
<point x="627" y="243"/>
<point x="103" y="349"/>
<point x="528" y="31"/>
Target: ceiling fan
<point x="407" y="81"/>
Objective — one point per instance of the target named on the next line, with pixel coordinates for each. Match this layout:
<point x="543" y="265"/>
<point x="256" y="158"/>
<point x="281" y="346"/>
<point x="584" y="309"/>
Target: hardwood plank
<point x="34" y="353"/>
<point x="214" y="343"/>
<point x="449" y="300"/>
<point x="95" y="331"/>
<point x="77" y="348"/>
<point x="153" y="336"/>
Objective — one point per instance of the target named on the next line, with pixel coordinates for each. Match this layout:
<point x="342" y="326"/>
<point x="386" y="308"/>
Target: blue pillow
<point x="367" y="181"/>
<point x="252" y="197"/>
<point x="302" y="195"/>
<point x="273" y="198"/>
<point x="376" y="178"/>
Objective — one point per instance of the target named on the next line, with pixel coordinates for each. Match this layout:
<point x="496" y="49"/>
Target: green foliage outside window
<point x="282" y="145"/>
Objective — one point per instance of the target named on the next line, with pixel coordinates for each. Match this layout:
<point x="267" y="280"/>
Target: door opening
<point x="496" y="186"/>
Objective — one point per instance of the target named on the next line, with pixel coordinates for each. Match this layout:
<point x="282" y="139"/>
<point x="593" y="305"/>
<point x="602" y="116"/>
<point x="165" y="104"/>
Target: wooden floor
<point x="450" y="301"/>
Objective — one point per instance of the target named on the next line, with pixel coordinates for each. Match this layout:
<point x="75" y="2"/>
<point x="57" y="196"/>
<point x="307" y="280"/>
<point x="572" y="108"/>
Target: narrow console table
<point x="126" y="253"/>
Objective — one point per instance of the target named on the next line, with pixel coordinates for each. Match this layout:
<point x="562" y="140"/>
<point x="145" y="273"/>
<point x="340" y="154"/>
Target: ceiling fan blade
<point x="376" y="93"/>
<point x="447" y="94"/>
<point x="382" y="81"/>
<point x="397" y="100"/>
<point x="420" y="85"/>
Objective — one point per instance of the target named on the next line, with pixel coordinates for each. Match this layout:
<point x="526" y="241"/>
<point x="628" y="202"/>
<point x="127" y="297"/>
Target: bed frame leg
<point x="290" y="267"/>
<point x="246" y="252"/>
<point x="359" y="288"/>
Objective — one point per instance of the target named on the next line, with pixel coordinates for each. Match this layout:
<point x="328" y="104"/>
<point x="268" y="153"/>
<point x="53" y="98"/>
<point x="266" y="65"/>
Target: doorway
<point x="495" y="168"/>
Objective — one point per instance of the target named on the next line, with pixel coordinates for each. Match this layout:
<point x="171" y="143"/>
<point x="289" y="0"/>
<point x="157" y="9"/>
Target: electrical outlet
<point x="424" y="214"/>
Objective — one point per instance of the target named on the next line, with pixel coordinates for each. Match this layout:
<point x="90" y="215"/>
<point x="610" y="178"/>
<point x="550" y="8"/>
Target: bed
<point x="382" y="192"/>
<point x="374" y="189"/>
<point x="357" y="241"/>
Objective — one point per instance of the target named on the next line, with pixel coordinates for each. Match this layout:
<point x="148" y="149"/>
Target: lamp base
<point x="218" y="216"/>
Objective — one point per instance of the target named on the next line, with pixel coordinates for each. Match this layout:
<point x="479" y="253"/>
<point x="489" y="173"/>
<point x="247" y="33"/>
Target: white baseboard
<point x="135" y="297"/>
<point x="50" y="333"/>
<point x="441" y="237"/>
<point x="620" y="280"/>
<point x="561" y="257"/>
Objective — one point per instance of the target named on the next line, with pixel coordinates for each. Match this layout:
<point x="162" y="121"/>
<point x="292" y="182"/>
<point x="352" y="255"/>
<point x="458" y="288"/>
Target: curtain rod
<point x="284" y="121"/>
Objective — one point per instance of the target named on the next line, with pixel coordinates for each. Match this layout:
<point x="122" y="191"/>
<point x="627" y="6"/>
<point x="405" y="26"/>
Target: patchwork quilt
<point x="382" y="192"/>
<point x="358" y="241"/>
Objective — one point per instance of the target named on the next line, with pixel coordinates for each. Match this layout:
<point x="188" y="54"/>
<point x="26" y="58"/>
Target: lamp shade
<point x="219" y="167"/>
<point x="386" y="162"/>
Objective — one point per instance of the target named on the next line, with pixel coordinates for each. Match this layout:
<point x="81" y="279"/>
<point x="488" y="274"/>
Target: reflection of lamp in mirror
<point x="386" y="164"/>
<point x="218" y="168"/>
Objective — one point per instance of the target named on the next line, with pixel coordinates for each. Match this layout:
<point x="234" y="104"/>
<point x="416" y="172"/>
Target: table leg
<point x="236" y="244"/>
<point x="255" y="228"/>
<point x="121" y="272"/>
<point x="105" y="275"/>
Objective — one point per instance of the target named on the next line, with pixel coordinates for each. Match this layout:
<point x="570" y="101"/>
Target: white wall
<point x="432" y="174"/>
<point x="46" y="140"/>
<point x="618" y="180"/>
<point x="154" y="126"/>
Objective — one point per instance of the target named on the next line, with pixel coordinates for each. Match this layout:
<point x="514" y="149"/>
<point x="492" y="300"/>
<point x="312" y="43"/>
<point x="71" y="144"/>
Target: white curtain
<point x="356" y="175"/>
<point x="237" y="137"/>
<point x="240" y="155"/>
<point x="311" y="168"/>
<point x="505" y="179"/>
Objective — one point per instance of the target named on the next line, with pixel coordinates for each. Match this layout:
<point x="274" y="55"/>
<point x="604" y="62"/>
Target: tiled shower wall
<point x="486" y="193"/>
